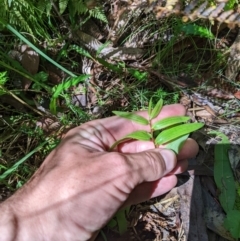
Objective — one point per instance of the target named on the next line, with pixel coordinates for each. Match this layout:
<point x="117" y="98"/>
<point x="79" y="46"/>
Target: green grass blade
<point x="156" y="110"/>
<point x="169" y="121"/>
<point x="131" y="116"/>
<point x="103" y="236"/>
<point x="177" y="131"/>
<point x="21" y="37"/>
<point x="18" y="163"/>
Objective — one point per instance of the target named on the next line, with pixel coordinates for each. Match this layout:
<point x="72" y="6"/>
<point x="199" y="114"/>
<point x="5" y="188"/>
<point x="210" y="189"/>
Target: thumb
<point x="151" y="165"/>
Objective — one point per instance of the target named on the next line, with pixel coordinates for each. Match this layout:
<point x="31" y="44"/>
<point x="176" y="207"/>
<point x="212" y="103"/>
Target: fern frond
<point x="57" y="90"/>
<point x="3" y="78"/>
<point x="24" y="15"/>
<point x="41" y="5"/>
<point x="80" y="7"/>
<point x="19" y="19"/>
<point x="4" y="11"/>
<point x="98" y="14"/>
<point x="44" y="6"/>
<point x="63" y="5"/>
<point x="80" y="51"/>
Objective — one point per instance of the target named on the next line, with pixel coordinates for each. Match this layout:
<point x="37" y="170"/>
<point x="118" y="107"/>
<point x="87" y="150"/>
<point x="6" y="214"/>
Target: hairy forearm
<point x="28" y="217"/>
<point x="16" y="223"/>
<point x="8" y="222"/>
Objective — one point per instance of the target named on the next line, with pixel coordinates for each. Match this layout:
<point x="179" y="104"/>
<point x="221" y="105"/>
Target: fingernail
<point x="169" y="158"/>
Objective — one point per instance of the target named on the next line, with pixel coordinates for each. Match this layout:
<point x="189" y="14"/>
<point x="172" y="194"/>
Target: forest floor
<point x="133" y="58"/>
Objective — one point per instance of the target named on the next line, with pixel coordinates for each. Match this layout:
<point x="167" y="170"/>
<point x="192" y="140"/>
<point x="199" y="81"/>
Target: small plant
<point x="170" y="131"/>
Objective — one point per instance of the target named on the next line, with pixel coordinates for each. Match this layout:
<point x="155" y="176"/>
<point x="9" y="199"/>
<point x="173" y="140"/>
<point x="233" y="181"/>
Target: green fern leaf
<point x="48" y="7"/>
<point x="194" y="29"/>
<point x="57" y="90"/>
<point x="20" y="21"/>
<point x="80" y="51"/>
<point x="63" y="5"/>
<point x="41" y="5"/>
<point x="98" y="14"/>
<point x="79" y="7"/>
<point x="3" y="78"/>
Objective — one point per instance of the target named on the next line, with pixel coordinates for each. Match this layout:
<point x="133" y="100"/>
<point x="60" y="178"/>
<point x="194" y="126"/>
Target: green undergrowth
<point x="32" y="22"/>
<point x="228" y="187"/>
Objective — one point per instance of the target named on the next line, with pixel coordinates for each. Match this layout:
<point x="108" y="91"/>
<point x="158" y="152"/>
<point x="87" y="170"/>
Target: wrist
<point x="15" y="224"/>
<point x="25" y="218"/>
<point x="8" y="222"/>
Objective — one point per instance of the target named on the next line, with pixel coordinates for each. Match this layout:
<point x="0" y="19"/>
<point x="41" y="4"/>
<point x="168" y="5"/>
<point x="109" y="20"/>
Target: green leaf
<point x="98" y="13"/>
<point x="230" y="4"/>
<point x="133" y="117"/>
<point x="176" y="131"/>
<point x="112" y="223"/>
<point x="137" y="135"/>
<point x="194" y="29"/>
<point x="150" y="107"/>
<point x="58" y="89"/>
<point x="3" y="78"/>
<point x="2" y="92"/>
<point x="62" y="6"/>
<point x="72" y="81"/>
<point x="169" y="121"/>
<point x="156" y="110"/>
<point x="103" y="235"/>
<point x="80" y="51"/>
<point x="53" y="105"/>
<point x="140" y="135"/>
<point x="232" y="223"/>
<point x="177" y="144"/>
<point x="122" y="221"/>
<point x="137" y="74"/>
<point x="13" y="168"/>
<point x="223" y="174"/>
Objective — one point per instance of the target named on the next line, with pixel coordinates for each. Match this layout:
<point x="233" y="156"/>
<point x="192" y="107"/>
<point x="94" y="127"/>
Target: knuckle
<point x="119" y="162"/>
<point x="155" y="161"/>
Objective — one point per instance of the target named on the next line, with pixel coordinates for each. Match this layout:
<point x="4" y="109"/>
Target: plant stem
<point x="21" y="101"/>
<point x="151" y="130"/>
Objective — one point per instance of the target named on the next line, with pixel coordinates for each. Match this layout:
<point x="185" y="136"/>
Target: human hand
<point x="80" y="185"/>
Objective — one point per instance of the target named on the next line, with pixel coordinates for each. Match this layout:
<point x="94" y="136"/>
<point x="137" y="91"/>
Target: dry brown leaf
<point x="30" y="61"/>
